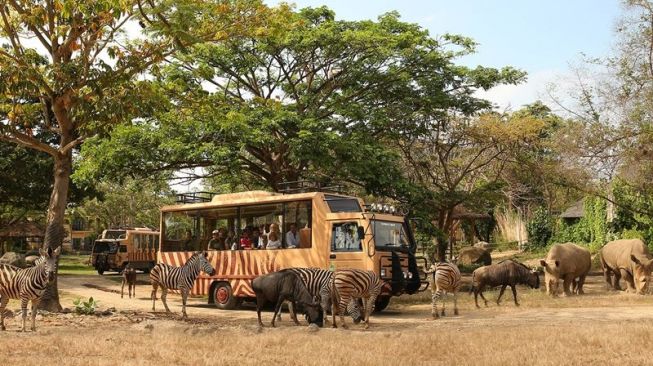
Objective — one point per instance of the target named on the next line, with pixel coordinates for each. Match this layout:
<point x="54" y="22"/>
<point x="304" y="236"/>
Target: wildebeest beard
<point x="312" y="313"/>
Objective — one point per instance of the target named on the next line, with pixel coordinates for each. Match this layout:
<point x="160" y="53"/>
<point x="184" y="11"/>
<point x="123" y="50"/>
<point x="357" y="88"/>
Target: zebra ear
<point x="42" y="252"/>
<point x="57" y="251"/>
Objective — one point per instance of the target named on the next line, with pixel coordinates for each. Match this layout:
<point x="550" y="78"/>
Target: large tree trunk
<point x="54" y="232"/>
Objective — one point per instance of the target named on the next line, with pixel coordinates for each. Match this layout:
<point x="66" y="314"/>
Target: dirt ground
<point x="600" y="327"/>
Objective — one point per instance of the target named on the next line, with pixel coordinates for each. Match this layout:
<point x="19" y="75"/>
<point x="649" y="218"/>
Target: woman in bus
<point x="245" y="241"/>
<point x="274" y="237"/>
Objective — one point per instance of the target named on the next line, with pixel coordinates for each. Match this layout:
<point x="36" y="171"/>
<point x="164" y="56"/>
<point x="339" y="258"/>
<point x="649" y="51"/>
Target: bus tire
<point x="382" y="302"/>
<point x="100" y="272"/>
<point x="223" y="296"/>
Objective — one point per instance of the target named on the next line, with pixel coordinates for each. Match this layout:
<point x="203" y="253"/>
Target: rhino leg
<point x="615" y="280"/>
<point x="607" y="276"/>
<point x="630" y="284"/>
<point x="566" y="285"/>
<point x="579" y="288"/>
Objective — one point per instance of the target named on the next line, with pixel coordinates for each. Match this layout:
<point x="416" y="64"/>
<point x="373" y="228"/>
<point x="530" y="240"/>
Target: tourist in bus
<point x="218" y="240"/>
<point x="274" y="241"/>
<point x="245" y="241"/>
<point x="262" y="238"/>
<point x="292" y="238"/>
<point x="231" y="241"/>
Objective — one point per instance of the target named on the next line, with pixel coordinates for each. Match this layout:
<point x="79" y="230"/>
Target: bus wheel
<point x="223" y="296"/>
<point x="100" y="272"/>
<point x="381" y="303"/>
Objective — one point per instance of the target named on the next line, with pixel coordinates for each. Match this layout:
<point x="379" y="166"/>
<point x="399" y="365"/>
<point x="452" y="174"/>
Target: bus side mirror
<point x="361" y="232"/>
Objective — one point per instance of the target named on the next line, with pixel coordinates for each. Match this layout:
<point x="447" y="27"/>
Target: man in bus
<point x="292" y="239"/>
<point x="217" y="241"/>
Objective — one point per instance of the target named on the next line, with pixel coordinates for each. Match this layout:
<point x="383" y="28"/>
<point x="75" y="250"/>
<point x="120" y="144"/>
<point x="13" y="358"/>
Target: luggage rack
<point x="303" y="186"/>
<point x="194" y="197"/>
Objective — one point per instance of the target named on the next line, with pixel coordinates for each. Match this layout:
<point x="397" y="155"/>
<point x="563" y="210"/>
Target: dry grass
<point x="598" y="328"/>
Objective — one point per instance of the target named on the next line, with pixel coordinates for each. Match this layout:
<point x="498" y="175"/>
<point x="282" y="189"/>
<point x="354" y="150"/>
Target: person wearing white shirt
<point x="292" y="239"/>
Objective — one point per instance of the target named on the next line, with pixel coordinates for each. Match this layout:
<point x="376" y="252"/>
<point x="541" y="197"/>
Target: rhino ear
<point x="634" y="259"/>
<point x="557" y="263"/>
<point x="543" y="262"/>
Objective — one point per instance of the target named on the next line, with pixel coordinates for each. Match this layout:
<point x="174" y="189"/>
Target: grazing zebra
<point x="446" y="278"/>
<point x="27" y="284"/>
<point x="349" y="284"/>
<point x="179" y="278"/>
<point x="318" y="282"/>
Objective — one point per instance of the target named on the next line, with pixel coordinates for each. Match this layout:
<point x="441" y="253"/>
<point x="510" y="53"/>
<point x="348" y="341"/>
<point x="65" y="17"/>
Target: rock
<point x="14" y="259"/>
<point x="313" y="327"/>
<point x="474" y="255"/>
<point x="112" y="309"/>
<point x="30" y="259"/>
<point x="484" y="245"/>
<point x="66" y="311"/>
<point x="149" y="326"/>
<point x="106" y="313"/>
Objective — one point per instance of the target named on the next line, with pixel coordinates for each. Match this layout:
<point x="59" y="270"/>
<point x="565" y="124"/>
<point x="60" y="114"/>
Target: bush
<point x="540" y="230"/>
<point x="85" y="307"/>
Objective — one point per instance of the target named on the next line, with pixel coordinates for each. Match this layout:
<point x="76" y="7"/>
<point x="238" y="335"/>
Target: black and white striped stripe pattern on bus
<point x="179" y="278"/>
<point x="445" y="278"/>
<point x="318" y="282"/>
<point x="351" y="284"/>
<point x="27" y="284"/>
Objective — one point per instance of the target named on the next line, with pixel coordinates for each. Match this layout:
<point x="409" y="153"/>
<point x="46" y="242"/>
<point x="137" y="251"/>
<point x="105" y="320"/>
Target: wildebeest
<point x="566" y="261"/>
<point x="284" y="285"/>
<point x="505" y="273"/>
<point x="129" y="278"/>
<point x="627" y="258"/>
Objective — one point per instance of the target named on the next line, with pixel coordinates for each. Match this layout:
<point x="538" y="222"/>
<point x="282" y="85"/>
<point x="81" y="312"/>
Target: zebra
<point x="27" y="284"/>
<point x="446" y="278"/>
<point x="178" y="278"/>
<point x="349" y="284"/>
<point x="318" y="282"/>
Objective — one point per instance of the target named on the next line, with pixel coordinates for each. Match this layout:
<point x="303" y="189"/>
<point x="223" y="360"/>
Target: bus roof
<point x="249" y="197"/>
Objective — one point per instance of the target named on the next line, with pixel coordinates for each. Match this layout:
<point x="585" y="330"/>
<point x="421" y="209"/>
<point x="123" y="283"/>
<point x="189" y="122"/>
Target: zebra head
<point x="354" y="310"/>
<point x="49" y="259"/>
<point x="205" y="265"/>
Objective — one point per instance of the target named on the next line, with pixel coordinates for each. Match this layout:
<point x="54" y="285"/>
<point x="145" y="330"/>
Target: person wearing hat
<point x="217" y="241"/>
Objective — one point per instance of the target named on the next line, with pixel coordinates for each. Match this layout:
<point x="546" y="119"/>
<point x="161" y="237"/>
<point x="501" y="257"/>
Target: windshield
<point x="390" y="235"/>
<point x="114" y="234"/>
<point x="105" y="247"/>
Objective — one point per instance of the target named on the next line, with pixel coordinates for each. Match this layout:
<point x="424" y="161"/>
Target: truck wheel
<point x="223" y="296"/>
<point x="381" y="303"/>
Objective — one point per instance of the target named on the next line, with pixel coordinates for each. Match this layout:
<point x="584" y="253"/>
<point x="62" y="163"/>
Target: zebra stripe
<point x="350" y="284"/>
<point x="318" y="282"/>
<point x="178" y="278"/>
<point x="27" y="284"/>
<point x="446" y="278"/>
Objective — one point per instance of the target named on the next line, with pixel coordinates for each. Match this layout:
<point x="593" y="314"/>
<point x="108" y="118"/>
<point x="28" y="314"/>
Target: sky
<point x="542" y="38"/>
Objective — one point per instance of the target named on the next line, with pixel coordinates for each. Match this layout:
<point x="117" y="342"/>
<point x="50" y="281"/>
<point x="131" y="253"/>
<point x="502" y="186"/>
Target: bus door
<point x="346" y="241"/>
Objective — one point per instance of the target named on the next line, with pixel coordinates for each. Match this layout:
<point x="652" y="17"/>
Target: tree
<point x="309" y="97"/>
<point x="67" y="70"/>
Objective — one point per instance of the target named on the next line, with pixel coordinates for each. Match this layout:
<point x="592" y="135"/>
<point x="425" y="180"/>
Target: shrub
<point x="540" y="229"/>
<point x="85" y="307"/>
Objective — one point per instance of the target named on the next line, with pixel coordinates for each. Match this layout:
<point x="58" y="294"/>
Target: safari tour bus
<point x="308" y="229"/>
<point x="117" y="247"/>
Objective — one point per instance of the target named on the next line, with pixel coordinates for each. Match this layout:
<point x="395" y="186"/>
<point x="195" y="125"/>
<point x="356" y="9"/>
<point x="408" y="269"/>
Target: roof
<point x="574" y="211"/>
<point x="22" y="229"/>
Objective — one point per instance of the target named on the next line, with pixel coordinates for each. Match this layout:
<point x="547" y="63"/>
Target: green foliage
<point x="85" y="307"/>
<point x="591" y="229"/>
<point x="540" y="229"/>
<point x="468" y="268"/>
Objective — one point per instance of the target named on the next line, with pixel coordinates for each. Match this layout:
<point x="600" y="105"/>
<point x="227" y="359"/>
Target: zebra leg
<point x="503" y="288"/>
<point x="333" y="311"/>
<point x="434" y="303"/>
<point x="184" y="297"/>
<point x="35" y="304"/>
<point x="366" y="309"/>
<point x="3" y="304"/>
<point x="23" y="308"/>
<point x="514" y="294"/>
<point x="277" y="310"/>
<point x="455" y="302"/>
<point x="164" y="295"/>
<point x="153" y="296"/>
<point x="444" y="299"/>
<point x="341" y="312"/>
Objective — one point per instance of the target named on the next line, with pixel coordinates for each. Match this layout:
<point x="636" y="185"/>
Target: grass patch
<point x="75" y="264"/>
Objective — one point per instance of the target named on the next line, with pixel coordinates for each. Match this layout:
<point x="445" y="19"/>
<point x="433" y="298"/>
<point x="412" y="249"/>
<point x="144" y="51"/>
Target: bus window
<point x="299" y="214"/>
<point x="259" y="218"/>
<point x="344" y="238"/>
<point x="178" y="231"/>
<point x="137" y="241"/>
